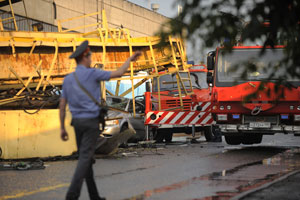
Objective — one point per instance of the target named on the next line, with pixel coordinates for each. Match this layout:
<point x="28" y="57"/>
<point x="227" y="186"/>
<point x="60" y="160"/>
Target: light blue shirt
<point x="81" y="105"/>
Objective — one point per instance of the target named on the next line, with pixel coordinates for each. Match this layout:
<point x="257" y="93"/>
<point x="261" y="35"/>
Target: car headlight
<point x="112" y="122"/>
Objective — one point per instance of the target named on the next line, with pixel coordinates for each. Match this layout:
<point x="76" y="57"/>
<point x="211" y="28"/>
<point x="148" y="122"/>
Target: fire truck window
<point x="232" y="66"/>
<point x="166" y="83"/>
<point x="186" y="83"/>
<point x="199" y="80"/>
<point x="202" y="80"/>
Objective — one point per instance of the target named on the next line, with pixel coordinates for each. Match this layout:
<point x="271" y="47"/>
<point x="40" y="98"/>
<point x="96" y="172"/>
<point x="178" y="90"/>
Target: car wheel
<point x="233" y="140"/>
<point x="124" y="127"/>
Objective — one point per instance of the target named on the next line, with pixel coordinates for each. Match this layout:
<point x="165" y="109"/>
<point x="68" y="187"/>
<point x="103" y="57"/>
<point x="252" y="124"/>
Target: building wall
<point x="140" y="21"/>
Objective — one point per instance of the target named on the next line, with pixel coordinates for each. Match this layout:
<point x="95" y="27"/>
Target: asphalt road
<point x="177" y="171"/>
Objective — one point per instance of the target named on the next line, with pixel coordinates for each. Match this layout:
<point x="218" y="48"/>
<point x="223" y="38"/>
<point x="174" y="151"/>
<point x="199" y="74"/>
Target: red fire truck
<point x="247" y="104"/>
<point x="171" y="117"/>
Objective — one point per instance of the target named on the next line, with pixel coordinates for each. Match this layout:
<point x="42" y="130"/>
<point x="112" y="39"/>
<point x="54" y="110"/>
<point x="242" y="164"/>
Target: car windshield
<point x="119" y="103"/>
<point x="169" y="82"/>
<point x="231" y="66"/>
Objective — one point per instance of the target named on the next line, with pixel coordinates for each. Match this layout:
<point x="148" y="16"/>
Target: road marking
<point x="43" y="189"/>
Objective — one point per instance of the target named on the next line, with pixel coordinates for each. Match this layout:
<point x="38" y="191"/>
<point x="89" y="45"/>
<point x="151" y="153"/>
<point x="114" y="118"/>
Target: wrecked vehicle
<point x="119" y="122"/>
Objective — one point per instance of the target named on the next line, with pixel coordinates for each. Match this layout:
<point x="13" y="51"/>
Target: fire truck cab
<point x="246" y="103"/>
<point x="171" y="117"/>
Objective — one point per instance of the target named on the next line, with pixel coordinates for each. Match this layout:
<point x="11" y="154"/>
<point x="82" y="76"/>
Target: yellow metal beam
<point x="179" y="91"/>
<point x="1" y="25"/>
<point x="181" y="82"/>
<point x="40" y="82"/>
<point x="52" y="65"/>
<point x="103" y="90"/>
<point x="110" y="93"/>
<point x="79" y="17"/>
<point x="13" y="14"/>
<point x="104" y="19"/>
<point x="25" y="86"/>
<point x="153" y="57"/>
<point x="118" y="87"/>
<point x="19" y="78"/>
<point x="158" y="88"/>
<point x="79" y="27"/>
<point x="10" y="100"/>
<point x="32" y="48"/>
<point x="12" y="44"/>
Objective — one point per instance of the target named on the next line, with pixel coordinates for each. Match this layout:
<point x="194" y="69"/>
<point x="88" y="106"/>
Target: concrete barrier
<point x="28" y="136"/>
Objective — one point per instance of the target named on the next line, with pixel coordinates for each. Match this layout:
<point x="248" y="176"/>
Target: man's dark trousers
<point x="87" y="132"/>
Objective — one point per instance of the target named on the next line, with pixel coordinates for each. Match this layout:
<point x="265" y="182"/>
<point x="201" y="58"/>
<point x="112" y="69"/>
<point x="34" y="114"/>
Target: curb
<point x="244" y="194"/>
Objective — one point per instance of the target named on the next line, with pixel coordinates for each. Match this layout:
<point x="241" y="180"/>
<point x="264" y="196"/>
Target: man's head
<point x="83" y="54"/>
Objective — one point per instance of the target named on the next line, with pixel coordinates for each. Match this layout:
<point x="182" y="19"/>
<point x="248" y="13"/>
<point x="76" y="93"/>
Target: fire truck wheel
<point x="208" y="134"/>
<point x="159" y="136"/>
<point x="257" y="139"/>
<point x="168" y="137"/>
<point x="233" y="140"/>
<point x="252" y="139"/>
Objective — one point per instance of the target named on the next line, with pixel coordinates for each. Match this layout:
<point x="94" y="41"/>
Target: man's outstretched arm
<point x="123" y="69"/>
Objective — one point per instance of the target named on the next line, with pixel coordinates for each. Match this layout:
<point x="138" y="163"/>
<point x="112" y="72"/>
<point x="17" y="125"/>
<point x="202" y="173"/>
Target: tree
<point x="271" y="22"/>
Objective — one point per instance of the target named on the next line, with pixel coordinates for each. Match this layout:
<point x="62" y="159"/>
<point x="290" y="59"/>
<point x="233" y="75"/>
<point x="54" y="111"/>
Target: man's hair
<point x="79" y="58"/>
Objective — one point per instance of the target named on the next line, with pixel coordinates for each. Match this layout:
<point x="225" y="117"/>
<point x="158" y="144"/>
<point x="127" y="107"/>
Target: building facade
<point x="120" y="13"/>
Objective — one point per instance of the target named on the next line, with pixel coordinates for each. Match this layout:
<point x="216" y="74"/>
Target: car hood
<point x="113" y="114"/>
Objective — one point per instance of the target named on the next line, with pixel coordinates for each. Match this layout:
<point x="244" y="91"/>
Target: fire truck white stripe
<point x="197" y="118"/>
<point x="187" y="117"/>
<point x="177" y="117"/>
<point x="157" y="116"/>
<point x="206" y="119"/>
<point x="205" y="106"/>
<point x="148" y="115"/>
<point x="166" y="117"/>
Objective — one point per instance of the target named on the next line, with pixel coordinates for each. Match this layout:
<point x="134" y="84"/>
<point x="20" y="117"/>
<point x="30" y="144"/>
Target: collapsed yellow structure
<point x="32" y="68"/>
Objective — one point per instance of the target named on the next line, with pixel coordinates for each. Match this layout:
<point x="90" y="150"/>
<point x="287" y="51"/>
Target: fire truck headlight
<point x="221" y="117"/>
<point x="153" y="116"/>
<point x="221" y="107"/>
<point x="296" y="117"/>
<point x="291" y="107"/>
<point x="298" y="107"/>
<point x="228" y="107"/>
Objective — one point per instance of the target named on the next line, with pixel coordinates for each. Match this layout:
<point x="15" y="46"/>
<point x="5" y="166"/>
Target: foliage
<point x="231" y="22"/>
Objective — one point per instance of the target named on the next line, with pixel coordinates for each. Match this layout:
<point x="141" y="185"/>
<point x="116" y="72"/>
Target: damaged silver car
<point x="122" y="127"/>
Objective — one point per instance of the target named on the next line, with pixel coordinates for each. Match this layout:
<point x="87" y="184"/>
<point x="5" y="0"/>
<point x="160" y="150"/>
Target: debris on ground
<point x="22" y="165"/>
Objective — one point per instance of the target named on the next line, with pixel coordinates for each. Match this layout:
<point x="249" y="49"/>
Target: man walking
<point x="85" y="114"/>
